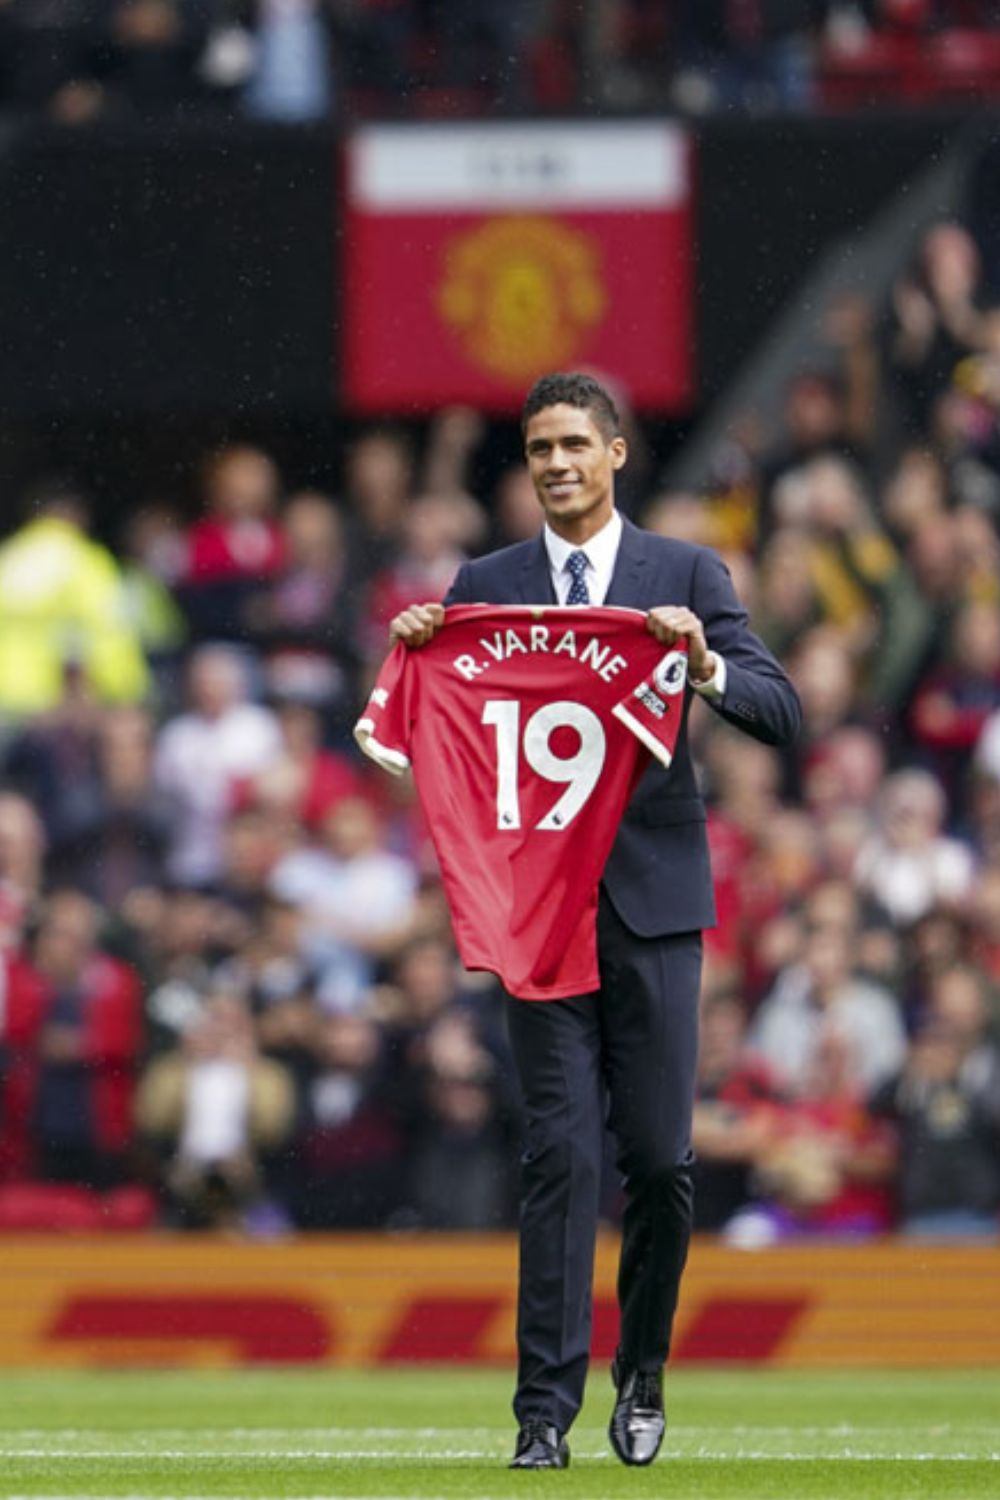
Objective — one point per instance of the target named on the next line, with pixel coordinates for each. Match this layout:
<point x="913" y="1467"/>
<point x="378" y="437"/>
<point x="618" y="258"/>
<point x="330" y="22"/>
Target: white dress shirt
<point x="601" y="552"/>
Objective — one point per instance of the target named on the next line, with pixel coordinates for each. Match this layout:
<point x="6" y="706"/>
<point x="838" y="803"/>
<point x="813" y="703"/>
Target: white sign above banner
<point x="530" y="166"/>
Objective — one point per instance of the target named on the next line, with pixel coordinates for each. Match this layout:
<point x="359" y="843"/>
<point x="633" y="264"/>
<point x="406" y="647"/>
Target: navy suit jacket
<point x="658" y="874"/>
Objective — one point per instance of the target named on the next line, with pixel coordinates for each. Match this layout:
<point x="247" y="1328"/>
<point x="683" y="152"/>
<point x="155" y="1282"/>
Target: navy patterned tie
<point x="576" y="566"/>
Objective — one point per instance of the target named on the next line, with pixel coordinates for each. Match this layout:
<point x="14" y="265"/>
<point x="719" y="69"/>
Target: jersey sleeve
<point x="654" y="708"/>
<point x="383" y="731"/>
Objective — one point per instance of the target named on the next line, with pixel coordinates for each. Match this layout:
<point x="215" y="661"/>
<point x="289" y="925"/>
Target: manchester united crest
<point x="523" y="294"/>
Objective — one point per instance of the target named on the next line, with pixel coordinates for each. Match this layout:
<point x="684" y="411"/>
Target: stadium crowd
<point x="228" y="990"/>
<point x="77" y="61"/>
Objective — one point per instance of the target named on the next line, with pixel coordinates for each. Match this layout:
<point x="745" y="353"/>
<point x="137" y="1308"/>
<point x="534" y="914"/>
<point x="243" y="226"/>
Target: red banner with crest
<point x="477" y="257"/>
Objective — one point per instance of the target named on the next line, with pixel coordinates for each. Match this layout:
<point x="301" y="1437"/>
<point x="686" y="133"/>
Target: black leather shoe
<point x="540" y="1446"/>
<point x="638" y="1421"/>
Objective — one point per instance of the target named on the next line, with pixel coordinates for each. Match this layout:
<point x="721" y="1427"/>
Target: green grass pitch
<point x="751" y="1435"/>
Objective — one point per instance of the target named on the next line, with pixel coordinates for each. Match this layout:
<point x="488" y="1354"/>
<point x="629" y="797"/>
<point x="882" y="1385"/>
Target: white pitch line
<point x="304" y="1455"/>
<point x="275" y="1435"/>
<point x="763" y="1455"/>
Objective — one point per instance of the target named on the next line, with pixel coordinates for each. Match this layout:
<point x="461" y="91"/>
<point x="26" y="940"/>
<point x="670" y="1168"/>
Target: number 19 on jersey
<point x="579" y="772"/>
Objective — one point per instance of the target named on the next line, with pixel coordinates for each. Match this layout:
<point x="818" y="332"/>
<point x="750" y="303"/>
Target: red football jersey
<point x="527" y="728"/>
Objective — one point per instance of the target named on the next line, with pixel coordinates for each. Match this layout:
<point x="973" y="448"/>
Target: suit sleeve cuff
<point x="715" y="687"/>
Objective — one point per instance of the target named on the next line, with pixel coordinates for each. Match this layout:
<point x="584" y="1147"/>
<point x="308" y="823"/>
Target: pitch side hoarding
<point x="188" y="1299"/>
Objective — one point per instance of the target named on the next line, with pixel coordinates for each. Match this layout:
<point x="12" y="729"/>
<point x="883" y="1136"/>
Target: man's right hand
<point x="417" y="625"/>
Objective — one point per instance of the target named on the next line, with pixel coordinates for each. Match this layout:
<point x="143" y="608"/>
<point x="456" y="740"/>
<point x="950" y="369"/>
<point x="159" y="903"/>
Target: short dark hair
<point x="573" y="389"/>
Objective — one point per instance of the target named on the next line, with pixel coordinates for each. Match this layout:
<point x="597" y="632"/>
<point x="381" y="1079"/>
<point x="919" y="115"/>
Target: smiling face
<point x="572" y="466"/>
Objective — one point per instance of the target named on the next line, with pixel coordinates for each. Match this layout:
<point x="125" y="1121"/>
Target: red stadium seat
<point x="61" y="1208"/>
<point x="964" y="64"/>
<point x="885" y="66"/>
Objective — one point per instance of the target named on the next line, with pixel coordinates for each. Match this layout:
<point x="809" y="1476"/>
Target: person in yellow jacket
<point x="62" y="602"/>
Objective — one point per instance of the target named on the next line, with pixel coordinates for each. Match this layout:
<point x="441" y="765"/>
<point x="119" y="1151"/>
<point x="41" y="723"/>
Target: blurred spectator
<point x="935" y="318"/>
<point x="459" y="1147"/>
<point x="79" y="62"/>
<point x="844" y="772"/>
<point x="279" y="983"/>
<point x="291" y="79"/>
<point x="839" y="783"/>
<point x="430" y="553"/>
<point x="88" y="1048"/>
<point x="962" y="997"/>
<point x="302" y="781"/>
<point x="350" y="1172"/>
<point x="425" y="983"/>
<point x="515" y="507"/>
<point x="978" y="546"/>
<point x="455" y="435"/>
<point x="378" y="483"/>
<point x="916" y="490"/>
<point x="113" y="825"/>
<point x="955" y="699"/>
<point x="744" y="781"/>
<point x="146" y="63"/>
<point x="254" y="841"/>
<point x="787" y="604"/>
<point x="777" y="877"/>
<point x="824" y="675"/>
<point x="743" y="797"/>
<point x="851" y="560"/>
<point x="686" y="518"/>
<point x="53" y="752"/>
<point x="825" y="1170"/>
<point x="22" y="854"/>
<point x="153" y="553"/>
<point x="176" y="938"/>
<point x="201" y="753"/>
<point x="910" y="865"/>
<point x="357" y="901"/>
<point x="735" y="1113"/>
<point x="755" y="57"/>
<point x="821" y="995"/>
<point x="946" y="1107"/>
<point x="304" y="619"/>
<point x="860" y="586"/>
<point x="215" y="1108"/>
<point x="62" y="606"/>
<point x="236" y="544"/>
<point x="819" y="420"/>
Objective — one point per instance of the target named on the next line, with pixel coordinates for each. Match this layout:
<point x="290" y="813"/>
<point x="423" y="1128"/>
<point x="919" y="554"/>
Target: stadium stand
<point x="205" y="1016"/>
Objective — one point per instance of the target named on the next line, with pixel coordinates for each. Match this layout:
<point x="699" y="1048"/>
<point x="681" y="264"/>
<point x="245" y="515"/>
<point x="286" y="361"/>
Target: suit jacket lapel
<point x="534" y="581"/>
<point x="630" y="573"/>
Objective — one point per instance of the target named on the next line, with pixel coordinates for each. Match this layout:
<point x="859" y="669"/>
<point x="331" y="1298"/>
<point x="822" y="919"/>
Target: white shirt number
<point x="579" y="772"/>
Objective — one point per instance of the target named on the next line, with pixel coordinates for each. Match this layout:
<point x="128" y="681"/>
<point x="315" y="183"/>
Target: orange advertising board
<point x="357" y="1300"/>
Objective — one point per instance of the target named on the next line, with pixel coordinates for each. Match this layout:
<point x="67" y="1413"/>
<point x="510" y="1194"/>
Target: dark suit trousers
<point x="624" y="1056"/>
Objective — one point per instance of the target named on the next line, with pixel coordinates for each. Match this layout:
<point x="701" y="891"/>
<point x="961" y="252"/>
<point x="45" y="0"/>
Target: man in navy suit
<point x="625" y="1055"/>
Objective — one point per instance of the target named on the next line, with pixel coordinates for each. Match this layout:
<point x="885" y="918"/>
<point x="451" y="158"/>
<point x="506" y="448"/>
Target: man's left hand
<point x="671" y="623"/>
